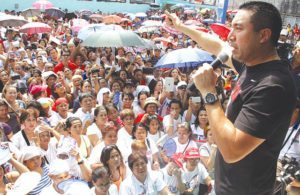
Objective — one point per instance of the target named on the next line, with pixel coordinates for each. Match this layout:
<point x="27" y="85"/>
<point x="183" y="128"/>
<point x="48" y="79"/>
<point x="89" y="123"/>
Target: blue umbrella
<point x="184" y="58"/>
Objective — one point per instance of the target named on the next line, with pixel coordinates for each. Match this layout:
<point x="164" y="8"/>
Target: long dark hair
<point x="105" y="155"/>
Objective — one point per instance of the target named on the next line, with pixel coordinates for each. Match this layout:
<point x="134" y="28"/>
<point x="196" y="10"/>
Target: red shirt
<point x="60" y="67"/>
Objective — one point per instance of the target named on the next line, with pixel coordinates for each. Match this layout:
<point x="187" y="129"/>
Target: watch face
<point x="210" y="98"/>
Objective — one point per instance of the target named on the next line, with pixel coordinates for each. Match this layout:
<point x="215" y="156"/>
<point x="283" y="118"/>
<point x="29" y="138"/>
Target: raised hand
<point x="172" y="20"/>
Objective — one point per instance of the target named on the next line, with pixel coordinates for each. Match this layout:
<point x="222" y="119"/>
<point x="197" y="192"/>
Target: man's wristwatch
<point x="211" y="98"/>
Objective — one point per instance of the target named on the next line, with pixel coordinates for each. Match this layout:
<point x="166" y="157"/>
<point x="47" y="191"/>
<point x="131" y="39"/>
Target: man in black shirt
<point x="249" y="136"/>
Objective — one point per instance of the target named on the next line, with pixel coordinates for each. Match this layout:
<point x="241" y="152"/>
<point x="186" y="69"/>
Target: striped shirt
<point x="44" y="182"/>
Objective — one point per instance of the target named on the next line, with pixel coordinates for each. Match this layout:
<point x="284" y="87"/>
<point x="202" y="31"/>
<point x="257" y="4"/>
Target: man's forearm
<point x="206" y="41"/>
<point x="224" y="132"/>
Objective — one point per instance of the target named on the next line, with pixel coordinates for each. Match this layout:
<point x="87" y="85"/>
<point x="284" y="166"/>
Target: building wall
<point x="289" y="9"/>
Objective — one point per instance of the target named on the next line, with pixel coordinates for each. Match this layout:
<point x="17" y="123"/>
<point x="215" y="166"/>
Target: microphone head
<point x="223" y="57"/>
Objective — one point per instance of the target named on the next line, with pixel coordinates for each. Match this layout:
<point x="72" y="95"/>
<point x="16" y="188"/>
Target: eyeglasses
<point x="182" y="87"/>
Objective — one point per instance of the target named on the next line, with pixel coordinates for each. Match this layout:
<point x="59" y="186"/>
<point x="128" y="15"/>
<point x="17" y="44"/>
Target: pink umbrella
<point x="221" y="30"/>
<point x="192" y="22"/>
<point x="77" y="24"/>
<point x="35" y="27"/>
<point x="170" y="29"/>
<point x="112" y="19"/>
<point x="189" y="11"/>
<point x="42" y="4"/>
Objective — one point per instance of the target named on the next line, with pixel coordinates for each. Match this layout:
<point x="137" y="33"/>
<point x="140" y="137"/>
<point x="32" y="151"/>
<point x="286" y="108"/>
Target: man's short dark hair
<point x="265" y="15"/>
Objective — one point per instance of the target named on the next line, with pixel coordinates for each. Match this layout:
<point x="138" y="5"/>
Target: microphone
<point x="221" y="59"/>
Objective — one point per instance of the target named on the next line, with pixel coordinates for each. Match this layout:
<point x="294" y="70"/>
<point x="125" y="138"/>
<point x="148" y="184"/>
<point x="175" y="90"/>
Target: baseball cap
<point x="37" y="88"/>
<point x="191" y="153"/>
<point x="177" y="158"/>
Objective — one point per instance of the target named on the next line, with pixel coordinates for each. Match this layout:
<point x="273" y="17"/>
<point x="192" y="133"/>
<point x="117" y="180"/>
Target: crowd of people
<point x="101" y="121"/>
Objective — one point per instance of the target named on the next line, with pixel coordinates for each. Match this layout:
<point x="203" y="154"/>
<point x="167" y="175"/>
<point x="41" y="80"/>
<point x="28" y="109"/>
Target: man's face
<point x="243" y="39"/>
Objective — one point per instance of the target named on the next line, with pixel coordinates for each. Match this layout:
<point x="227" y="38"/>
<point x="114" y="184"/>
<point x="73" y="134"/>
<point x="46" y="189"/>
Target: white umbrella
<point x="14" y="21"/>
<point x="112" y="38"/>
<point x="87" y="30"/>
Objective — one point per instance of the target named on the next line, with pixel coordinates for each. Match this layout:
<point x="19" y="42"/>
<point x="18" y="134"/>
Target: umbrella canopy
<point x="170" y="29"/>
<point x="192" y="22"/>
<point x="152" y="23"/>
<point x="31" y="12"/>
<point x="141" y="15"/>
<point x="35" y="27"/>
<point x="150" y="44"/>
<point x="71" y="15"/>
<point x="78" y="24"/>
<point x="87" y="30"/>
<point x="189" y="11"/>
<point x="96" y="17"/>
<point x="55" y="13"/>
<point x="221" y="30"/>
<point x="184" y="58"/>
<point x="14" y="21"/>
<point x="147" y="29"/>
<point x="112" y="19"/>
<point x="42" y="4"/>
<point x="111" y="38"/>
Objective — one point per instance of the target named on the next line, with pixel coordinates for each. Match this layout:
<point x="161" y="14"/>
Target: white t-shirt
<point x="193" y="118"/>
<point x="294" y="150"/>
<point x="113" y="190"/>
<point x="96" y="153"/>
<point x="155" y="137"/>
<point x="152" y="185"/>
<point x="49" y="190"/>
<point x="192" y="179"/>
<point x="84" y="116"/>
<point x="166" y="122"/>
<point x="124" y="143"/>
<point x="50" y="154"/>
<point x="94" y="130"/>
<point x="55" y="118"/>
<point x="19" y="141"/>
<point x="183" y="147"/>
<point x="198" y="134"/>
<point x="171" y="181"/>
<point x="205" y="150"/>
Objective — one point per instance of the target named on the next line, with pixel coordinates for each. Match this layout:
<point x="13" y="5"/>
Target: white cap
<point x="58" y="166"/>
<point x="29" y="152"/>
<point x="25" y="183"/>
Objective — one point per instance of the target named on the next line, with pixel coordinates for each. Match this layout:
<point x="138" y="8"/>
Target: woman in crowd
<point x="94" y="131"/>
<point x="155" y="128"/>
<point x="31" y="157"/>
<point x="142" y="180"/>
<point x="26" y="137"/>
<point x="74" y="128"/>
<point x="113" y="115"/>
<point x="208" y="152"/>
<point x="125" y="133"/>
<point x="112" y="159"/>
<point x="140" y="132"/>
<point x="199" y="127"/>
<point x="9" y="95"/>
<point x="61" y="111"/>
<point x="10" y="119"/>
<point x="4" y="78"/>
<point x="139" y="105"/>
<point x="109" y="138"/>
<point x="86" y="87"/>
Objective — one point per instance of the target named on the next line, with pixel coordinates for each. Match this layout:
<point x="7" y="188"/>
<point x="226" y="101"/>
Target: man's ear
<point x="265" y="35"/>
